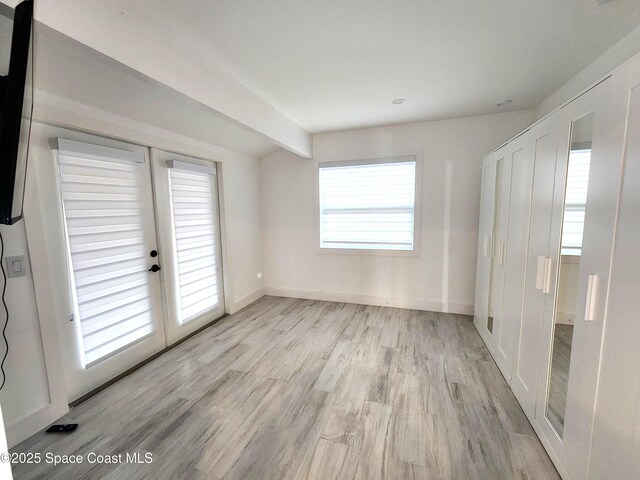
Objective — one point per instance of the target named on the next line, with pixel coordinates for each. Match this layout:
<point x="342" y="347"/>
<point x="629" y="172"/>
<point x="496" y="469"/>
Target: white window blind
<point x="368" y="204"/>
<point x="195" y="220"/>
<point x="103" y="212"/>
<point x="575" y="201"/>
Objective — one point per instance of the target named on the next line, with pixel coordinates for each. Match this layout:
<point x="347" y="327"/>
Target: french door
<point x="190" y="242"/>
<point x="135" y="281"/>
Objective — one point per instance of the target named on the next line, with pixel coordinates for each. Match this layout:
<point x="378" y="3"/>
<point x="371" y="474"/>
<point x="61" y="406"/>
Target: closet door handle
<point x="590" y="307"/>
<point x="547" y="275"/>
<point x="503" y="253"/>
<point x="540" y="272"/>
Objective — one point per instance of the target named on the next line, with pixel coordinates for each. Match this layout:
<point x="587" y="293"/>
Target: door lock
<point x="153" y="253"/>
<point x="155" y="268"/>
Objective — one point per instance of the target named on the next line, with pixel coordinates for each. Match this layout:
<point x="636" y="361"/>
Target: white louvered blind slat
<point x="195" y="217"/>
<point x="103" y="212"/>
<point x="575" y="201"/>
<point x="368" y="206"/>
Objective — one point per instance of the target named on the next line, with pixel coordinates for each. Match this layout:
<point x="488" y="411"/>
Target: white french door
<point x="134" y="253"/>
<point x="189" y="226"/>
<point x="115" y="302"/>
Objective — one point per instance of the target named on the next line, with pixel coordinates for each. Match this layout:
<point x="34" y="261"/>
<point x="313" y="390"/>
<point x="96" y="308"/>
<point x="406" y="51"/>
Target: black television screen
<point x="16" y="102"/>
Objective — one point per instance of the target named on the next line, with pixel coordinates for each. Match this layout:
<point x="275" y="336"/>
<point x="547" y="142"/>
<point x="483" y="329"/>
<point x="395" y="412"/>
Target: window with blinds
<point x="103" y="212"/>
<point x="575" y="201"/>
<point x="195" y="220"/>
<point x="368" y="204"/>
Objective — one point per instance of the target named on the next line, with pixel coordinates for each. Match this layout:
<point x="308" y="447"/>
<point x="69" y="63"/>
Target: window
<point x="368" y="204"/>
<point x="195" y="222"/>
<point x="575" y="201"/>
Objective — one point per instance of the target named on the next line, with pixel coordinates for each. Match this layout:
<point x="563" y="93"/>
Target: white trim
<point x="73" y="148"/>
<point x="246" y="300"/>
<point x="377" y="300"/>
<point x="31" y="423"/>
<point x="368" y="161"/>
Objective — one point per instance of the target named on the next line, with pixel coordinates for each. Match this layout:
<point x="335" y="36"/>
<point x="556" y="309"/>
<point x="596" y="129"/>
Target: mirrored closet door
<point x="576" y="271"/>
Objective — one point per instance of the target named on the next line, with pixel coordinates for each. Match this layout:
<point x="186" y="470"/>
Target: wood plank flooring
<point x="302" y="389"/>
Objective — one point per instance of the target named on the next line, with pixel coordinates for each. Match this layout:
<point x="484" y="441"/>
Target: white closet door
<point x="568" y="377"/>
<point x="485" y="239"/>
<point x="500" y="224"/>
<point x="543" y="139"/>
<point x="515" y="258"/>
<point x="616" y="438"/>
<point x="115" y="308"/>
<point x="189" y="226"/>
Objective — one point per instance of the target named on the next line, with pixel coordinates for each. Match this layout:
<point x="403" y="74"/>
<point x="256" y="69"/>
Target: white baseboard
<point x="378" y="300"/>
<point x="246" y="300"/>
<point x="33" y="422"/>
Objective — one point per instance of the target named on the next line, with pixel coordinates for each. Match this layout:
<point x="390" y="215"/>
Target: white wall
<point x="26" y="390"/>
<point x="5" y="468"/>
<point x="442" y="277"/>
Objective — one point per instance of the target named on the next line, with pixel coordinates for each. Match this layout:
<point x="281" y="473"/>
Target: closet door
<point x="616" y="437"/>
<point x="543" y="140"/>
<point x="520" y="158"/>
<point x="186" y="195"/>
<point x="500" y="231"/>
<point x="584" y="214"/>
<point x="485" y="239"/>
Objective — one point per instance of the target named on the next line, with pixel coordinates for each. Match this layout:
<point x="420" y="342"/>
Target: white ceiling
<point x="331" y="65"/>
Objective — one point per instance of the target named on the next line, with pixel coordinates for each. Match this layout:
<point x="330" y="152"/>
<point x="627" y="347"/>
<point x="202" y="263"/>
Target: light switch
<point x="16" y="266"/>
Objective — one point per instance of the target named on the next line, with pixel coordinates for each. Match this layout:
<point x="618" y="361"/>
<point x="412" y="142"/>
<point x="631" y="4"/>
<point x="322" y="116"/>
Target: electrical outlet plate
<point x="16" y="266"/>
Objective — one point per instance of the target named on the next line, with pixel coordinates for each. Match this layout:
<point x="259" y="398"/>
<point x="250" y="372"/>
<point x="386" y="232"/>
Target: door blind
<point x="195" y="221"/>
<point x="103" y="212"/>
<point x="368" y="205"/>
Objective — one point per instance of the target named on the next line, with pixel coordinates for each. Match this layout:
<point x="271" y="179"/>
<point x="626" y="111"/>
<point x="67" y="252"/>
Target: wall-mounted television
<point x="16" y="100"/>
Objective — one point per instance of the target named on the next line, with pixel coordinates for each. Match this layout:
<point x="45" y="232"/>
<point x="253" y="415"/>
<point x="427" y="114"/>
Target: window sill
<point x="358" y="252"/>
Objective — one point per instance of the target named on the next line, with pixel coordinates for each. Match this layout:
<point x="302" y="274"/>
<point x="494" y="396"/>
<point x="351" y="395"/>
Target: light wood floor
<point x="301" y="389"/>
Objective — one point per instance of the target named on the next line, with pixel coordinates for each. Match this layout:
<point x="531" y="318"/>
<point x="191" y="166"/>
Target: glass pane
<point x="195" y="219"/>
<point x="496" y="252"/>
<point x="575" y="201"/>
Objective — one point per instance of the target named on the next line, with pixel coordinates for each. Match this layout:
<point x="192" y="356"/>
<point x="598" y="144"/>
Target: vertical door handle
<point x="502" y="254"/>
<point x="540" y="272"/>
<point x="547" y="275"/>
<point x="590" y="307"/>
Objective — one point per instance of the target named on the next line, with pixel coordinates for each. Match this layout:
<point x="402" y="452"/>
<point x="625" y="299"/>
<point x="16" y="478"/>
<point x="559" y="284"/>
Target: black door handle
<point x="155" y="268"/>
<point x="153" y="253"/>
